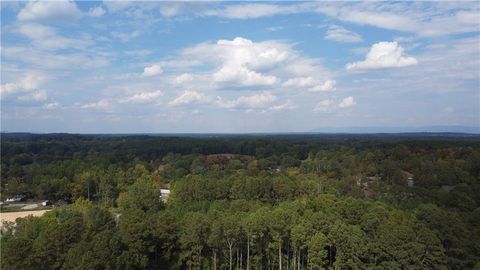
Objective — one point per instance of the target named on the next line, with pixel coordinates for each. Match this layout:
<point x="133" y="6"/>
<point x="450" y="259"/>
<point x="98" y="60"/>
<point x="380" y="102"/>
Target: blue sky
<point x="134" y="67"/>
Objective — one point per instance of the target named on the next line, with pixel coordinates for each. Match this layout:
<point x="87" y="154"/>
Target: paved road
<point x="30" y="206"/>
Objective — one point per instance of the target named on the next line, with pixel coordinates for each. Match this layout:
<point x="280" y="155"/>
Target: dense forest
<point x="287" y="202"/>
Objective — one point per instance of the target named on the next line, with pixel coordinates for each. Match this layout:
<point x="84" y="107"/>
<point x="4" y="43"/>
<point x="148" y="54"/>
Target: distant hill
<point x="379" y="129"/>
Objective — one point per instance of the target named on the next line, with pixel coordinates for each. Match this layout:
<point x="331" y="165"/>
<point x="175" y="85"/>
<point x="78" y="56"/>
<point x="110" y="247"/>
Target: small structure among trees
<point x="16" y="198"/>
<point x="410" y="179"/>
<point x="164" y="193"/>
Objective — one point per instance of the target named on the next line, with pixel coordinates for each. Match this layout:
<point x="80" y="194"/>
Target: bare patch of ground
<point x="12" y="216"/>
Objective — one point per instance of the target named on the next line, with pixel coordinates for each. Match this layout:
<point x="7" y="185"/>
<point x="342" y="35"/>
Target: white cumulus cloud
<point x="256" y="101"/>
<point x="188" y="97"/>
<point x="244" y="75"/>
<point x="28" y="86"/>
<point x="324" y="105"/>
<point x="244" y="63"/>
<point x="184" y="78"/>
<point x="304" y="82"/>
<point x="310" y="83"/>
<point x="326" y="86"/>
<point x="46" y="10"/>
<point x="328" y="105"/>
<point x="30" y="81"/>
<point x="347" y="102"/>
<point x="289" y="105"/>
<point x="143" y="97"/>
<point x="384" y="55"/>
<point x="152" y="70"/>
<point x="99" y="105"/>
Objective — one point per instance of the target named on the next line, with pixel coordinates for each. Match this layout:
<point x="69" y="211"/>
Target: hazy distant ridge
<point x="436" y="129"/>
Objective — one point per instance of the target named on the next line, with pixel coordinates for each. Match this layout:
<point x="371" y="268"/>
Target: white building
<point x="16" y="198"/>
<point x="46" y="202"/>
<point x="410" y="182"/>
<point x="164" y="193"/>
